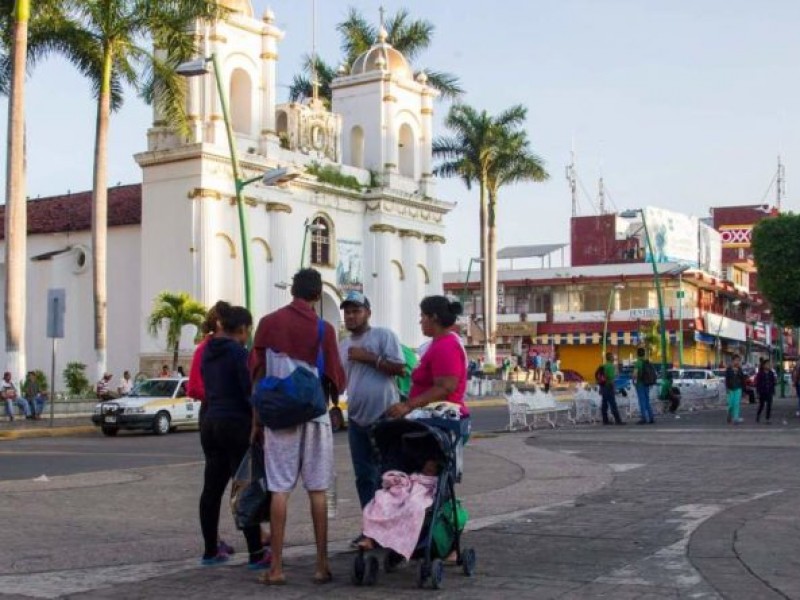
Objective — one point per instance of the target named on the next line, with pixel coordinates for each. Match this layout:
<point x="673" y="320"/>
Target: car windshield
<point x="155" y="387"/>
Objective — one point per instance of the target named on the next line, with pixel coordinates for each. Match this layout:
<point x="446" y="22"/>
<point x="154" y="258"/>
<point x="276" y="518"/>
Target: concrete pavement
<point x="684" y="509"/>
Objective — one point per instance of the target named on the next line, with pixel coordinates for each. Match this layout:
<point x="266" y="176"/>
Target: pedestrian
<point x="179" y="372"/>
<point x="9" y="393"/>
<point x="165" y="372"/>
<point x="506" y="368"/>
<point x="605" y="375"/>
<point x="285" y="338"/>
<point x="537" y="367"/>
<point x="734" y="384"/>
<point x="125" y="385"/>
<point x="441" y="375"/>
<point x="547" y="377"/>
<point x="225" y="432"/>
<point x="765" y="386"/>
<point x="641" y="370"/>
<point x="195" y="388"/>
<point x="371" y="357"/>
<point x="796" y="383"/>
<point x="33" y="395"/>
<point x="103" y="388"/>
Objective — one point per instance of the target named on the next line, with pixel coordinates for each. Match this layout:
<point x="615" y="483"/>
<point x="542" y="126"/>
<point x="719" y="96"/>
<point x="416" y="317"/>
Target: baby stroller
<point x="405" y="445"/>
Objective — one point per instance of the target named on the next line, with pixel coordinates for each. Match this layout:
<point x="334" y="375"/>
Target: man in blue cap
<point x="372" y="357"/>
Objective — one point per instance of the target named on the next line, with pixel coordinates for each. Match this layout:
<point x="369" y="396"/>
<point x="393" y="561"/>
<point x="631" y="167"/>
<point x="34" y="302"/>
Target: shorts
<point x="305" y="450"/>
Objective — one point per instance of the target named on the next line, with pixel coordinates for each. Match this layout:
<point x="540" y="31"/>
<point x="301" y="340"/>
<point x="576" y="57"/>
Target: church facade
<point x="362" y="208"/>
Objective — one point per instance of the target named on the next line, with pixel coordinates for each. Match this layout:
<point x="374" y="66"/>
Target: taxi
<point x="159" y="405"/>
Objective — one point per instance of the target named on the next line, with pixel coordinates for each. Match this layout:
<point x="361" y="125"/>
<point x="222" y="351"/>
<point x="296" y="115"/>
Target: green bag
<point x="404" y="381"/>
<point x="444" y="531"/>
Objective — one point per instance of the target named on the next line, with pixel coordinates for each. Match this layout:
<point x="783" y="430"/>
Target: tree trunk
<point x="484" y="213"/>
<point x="175" y="350"/>
<point x="16" y="218"/>
<point x="100" y="213"/>
<point x="491" y="269"/>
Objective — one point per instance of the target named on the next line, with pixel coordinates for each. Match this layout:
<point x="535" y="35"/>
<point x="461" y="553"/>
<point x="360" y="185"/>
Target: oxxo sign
<point x="736" y="236"/>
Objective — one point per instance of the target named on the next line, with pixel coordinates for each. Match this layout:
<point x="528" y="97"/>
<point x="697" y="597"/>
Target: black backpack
<point x="600" y="375"/>
<point x="649" y="375"/>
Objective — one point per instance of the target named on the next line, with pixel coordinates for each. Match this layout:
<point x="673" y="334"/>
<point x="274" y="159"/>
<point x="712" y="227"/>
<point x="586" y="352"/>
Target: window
<point x="241" y="92"/>
<point x="406" y="145"/>
<point x="321" y="233"/>
<point x="357" y="147"/>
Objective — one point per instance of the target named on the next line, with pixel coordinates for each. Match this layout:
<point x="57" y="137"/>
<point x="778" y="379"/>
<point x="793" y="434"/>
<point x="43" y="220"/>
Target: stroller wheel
<point x="391" y="561"/>
<point x="371" y="571"/>
<point x="468" y="560"/>
<point x="359" y="569"/>
<point x="437" y="574"/>
<point x="423" y="572"/>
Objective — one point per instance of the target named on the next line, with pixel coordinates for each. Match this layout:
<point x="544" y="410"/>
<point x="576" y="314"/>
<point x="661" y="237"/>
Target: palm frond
<point x="448" y="85"/>
<point x="409" y="37"/>
<point x="357" y="35"/>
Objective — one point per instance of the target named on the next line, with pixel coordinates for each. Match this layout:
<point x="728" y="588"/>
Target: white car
<point x="696" y="383"/>
<point x="158" y="405"/>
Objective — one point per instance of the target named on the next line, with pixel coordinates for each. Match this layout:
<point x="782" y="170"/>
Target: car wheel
<point x="161" y="424"/>
<point x="110" y="431"/>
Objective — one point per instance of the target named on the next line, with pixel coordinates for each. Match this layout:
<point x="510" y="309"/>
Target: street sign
<point x="56" y="305"/>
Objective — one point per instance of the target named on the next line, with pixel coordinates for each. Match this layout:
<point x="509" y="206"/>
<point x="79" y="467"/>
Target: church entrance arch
<point x="329" y="307"/>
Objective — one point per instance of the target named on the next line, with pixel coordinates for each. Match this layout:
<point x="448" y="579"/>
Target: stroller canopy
<point x="405" y="445"/>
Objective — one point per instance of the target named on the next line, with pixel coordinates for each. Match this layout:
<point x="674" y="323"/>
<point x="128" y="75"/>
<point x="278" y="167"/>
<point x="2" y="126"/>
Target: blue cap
<point x="356" y="298"/>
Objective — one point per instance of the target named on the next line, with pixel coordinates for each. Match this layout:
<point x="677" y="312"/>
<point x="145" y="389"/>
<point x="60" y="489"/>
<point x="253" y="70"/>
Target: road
<point x="29" y="458"/>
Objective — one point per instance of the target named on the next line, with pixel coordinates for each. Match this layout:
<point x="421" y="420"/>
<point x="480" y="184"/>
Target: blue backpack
<point x="283" y="402"/>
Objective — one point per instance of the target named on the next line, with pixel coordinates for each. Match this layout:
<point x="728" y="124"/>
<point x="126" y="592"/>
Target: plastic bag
<point x="250" y="498"/>
<point x="445" y="530"/>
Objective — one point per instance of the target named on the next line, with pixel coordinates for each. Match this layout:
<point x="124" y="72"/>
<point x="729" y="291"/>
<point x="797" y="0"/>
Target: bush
<point x="75" y="378"/>
<point x="333" y="175"/>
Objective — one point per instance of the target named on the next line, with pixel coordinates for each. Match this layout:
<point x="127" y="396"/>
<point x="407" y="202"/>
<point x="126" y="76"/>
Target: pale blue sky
<point x="682" y="104"/>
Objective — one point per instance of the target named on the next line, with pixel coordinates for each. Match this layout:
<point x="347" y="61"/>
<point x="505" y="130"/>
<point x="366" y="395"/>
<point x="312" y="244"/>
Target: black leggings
<point x="762" y="400"/>
<point x="224" y="442"/>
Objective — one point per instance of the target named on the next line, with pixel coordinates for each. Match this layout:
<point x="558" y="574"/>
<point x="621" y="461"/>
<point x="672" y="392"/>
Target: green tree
<point x="75" y="378"/>
<point x="492" y="152"/>
<point x="172" y="312"/>
<point x="777" y="255"/>
<point x="138" y="43"/>
<point x="409" y="36"/>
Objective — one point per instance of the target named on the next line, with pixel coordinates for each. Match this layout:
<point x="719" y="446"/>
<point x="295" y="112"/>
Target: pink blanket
<point x="396" y="514"/>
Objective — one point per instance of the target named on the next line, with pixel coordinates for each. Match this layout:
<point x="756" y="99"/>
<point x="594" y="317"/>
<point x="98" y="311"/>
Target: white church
<point x="179" y="230"/>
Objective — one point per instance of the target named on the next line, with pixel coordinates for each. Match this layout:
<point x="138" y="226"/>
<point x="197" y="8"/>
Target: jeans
<point x="19" y="401"/>
<point x="762" y="401"/>
<point x="37" y="405"/>
<point x="365" y="462"/>
<point x="224" y="442"/>
<point x="734" y="401"/>
<point x="609" y="401"/>
<point x="643" y="395"/>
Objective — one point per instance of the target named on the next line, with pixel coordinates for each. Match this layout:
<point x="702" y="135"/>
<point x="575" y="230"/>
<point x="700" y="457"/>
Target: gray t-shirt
<point x="369" y="391"/>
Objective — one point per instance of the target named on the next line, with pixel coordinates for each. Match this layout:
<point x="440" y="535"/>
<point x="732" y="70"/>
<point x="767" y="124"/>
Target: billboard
<point x="349" y="273"/>
<point x="709" y="250"/>
<point x="673" y="236"/>
<point x="736" y="236"/>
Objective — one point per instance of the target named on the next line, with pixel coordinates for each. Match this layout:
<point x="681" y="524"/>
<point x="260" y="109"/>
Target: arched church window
<point x="321" y="240"/>
<point x="406" y="151"/>
<point x="241" y="95"/>
<point x="357" y="147"/>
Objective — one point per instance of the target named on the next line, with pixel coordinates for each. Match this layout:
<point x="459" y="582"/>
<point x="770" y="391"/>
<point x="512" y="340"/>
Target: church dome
<point x="382" y="56"/>
<point x="238" y="6"/>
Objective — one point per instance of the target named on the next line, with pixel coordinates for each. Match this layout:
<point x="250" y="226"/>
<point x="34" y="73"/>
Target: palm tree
<point x="358" y="35"/>
<point x="119" y="32"/>
<point x="174" y="311"/>
<point x="492" y="152"/>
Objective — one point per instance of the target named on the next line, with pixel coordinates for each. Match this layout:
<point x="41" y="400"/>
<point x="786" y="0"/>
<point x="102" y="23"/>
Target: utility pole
<point x="601" y="197"/>
<point x="780" y="188"/>
<point x="572" y="178"/>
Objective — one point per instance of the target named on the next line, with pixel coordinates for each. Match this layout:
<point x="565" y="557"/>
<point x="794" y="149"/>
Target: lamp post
<point x="617" y="287"/>
<point x="313" y="227"/>
<point x="198" y="67"/>
<point x="629" y="214"/>
<point x="466" y="281"/>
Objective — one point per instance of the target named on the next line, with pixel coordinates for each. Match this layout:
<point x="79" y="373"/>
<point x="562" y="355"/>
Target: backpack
<point x="649" y="375"/>
<point x="600" y="375"/>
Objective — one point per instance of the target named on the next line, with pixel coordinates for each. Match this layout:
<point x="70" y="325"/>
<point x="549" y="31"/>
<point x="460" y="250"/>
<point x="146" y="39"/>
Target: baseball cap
<point x="356" y="298"/>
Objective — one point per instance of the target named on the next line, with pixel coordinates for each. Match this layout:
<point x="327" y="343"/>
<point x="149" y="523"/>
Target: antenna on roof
<point x="780" y="188"/>
<point x="314" y="74"/>
<point x="573" y="181"/>
<point x="382" y="12"/>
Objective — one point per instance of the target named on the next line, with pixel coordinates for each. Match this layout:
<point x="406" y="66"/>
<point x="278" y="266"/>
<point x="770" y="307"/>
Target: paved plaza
<point x="688" y="508"/>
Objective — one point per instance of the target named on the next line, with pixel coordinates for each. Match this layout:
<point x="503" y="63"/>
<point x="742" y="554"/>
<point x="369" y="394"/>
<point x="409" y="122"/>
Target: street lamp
<point x="196" y="68"/>
<point x="314" y="228"/>
<point x="466" y="281"/>
<point x="614" y="288"/>
<point x="631" y="214"/>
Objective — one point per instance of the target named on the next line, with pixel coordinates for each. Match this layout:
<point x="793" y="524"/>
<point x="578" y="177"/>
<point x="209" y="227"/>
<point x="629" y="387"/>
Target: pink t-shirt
<point x="444" y="357"/>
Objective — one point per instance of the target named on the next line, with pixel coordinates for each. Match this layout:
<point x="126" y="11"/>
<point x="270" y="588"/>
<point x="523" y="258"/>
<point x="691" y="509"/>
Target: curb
<point x="17" y="434"/>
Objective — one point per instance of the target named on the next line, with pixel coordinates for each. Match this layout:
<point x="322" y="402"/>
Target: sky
<point x="683" y="104"/>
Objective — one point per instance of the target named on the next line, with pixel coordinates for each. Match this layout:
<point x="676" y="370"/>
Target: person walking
<point x="766" y="381"/>
<point x="547" y="377"/>
<point x="225" y="431"/>
<point x="796" y="383"/>
<point x="640" y="378"/>
<point x="287" y="337"/>
<point x="734" y="384"/>
<point x="605" y="376"/>
<point x="371" y="357"/>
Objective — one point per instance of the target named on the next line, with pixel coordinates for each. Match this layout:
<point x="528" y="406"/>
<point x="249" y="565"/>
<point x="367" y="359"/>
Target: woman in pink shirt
<point x="441" y="375"/>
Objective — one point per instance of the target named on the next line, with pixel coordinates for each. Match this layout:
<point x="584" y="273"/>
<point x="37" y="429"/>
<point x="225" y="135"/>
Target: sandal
<point x="322" y="579"/>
